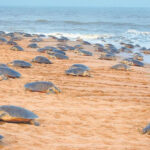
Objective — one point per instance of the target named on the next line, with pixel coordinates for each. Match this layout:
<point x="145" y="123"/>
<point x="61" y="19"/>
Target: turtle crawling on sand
<point x="33" y="45"/>
<point x="15" y="114"/>
<point x="41" y="60"/>
<point x="6" y="72"/>
<point x="107" y="56"/>
<point x="138" y="56"/>
<point x="146" y="129"/>
<point x="17" y="48"/>
<point x="20" y="63"/>
<point x="132" y="62"/>
<point x="58" y="56"/>
<point x="120" y="67"/>
<point x="42" y="86"/>
<point x="78" y="72"/>
<point x="80" y="66"/>
<point x="83" y="52"/>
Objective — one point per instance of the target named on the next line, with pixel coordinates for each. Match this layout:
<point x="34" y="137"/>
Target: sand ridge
<point x="103" y="112"/>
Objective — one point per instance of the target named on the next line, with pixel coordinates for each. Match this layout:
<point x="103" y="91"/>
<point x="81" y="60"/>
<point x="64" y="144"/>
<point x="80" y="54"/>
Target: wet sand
<point x="104" y="112"/>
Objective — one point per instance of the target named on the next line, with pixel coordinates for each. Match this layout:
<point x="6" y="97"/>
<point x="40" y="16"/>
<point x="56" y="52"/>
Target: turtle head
<point x="2" y="114"/>
<point x="10" y="64"/>
<point x="54" y="90"/>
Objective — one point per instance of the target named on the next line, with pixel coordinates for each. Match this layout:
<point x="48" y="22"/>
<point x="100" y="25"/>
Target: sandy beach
<point x="102" y="112"/>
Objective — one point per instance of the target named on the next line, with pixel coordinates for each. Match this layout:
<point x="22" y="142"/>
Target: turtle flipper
<point x="36" y="123"/>
<point x="2" y="114"/>
<point x="3" y="77"/>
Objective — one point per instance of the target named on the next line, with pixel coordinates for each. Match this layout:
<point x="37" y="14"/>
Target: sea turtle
<point x="20" y="63"/>
<point x="138" y="56"/>
<point x="58" y="56"/>
<point x="42" y="86"/>
<point x="145" y="51"/>
<point x="3" y="65"/>
<point x="56" y="51"/>
<point x="11" y="42"/>
<point x="132" y="62"/>
<point x="41" y="60"/>
<point x="27" y="35"/>
<point x="146" y="129"/>
<point x="120" y="67"/>
<point x="17" y="48"/>
<point x="3" y="40"/>
<point x="1" y="137"/>
<point x="86" y="68"/>
<point x="63" y="48"/>
<point x="125" y="50"/>
<point x="78" y="72"/>
<point x="62" y="39"/>
<point x="46" y="48"/>
<point x="111" y="48"/>
<point x="107" y="56"/>
<point x="33" y="45"/>
<point x="6" y="72"/>
<point x="36" y="40"/>
<point x="128" y="45"/>
<point x="83" y="52"/>
<point x="78" y="46"/>
<point x="15" y="114"/>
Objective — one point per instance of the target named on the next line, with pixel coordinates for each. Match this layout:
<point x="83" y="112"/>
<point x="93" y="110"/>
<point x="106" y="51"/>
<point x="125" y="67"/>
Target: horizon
<point x="76" y="3"/>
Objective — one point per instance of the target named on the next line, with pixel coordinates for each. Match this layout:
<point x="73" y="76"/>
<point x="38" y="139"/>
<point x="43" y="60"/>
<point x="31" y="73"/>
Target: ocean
<point x="96" y="25"/>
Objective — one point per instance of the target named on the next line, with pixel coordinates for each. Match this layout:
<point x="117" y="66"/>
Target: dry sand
<point x="104" y="112"/>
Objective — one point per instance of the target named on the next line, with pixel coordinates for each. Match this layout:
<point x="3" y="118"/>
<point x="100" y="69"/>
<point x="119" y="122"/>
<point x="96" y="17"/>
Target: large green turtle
<point x="146" y="129"/>
<point x="41" y="60"/>
<point x="20" y="63"/>
<point x="15" y="114"/>
<point x="42" y="86"/>
<point x="80" y="66"/>
<point x="6" y="72"/>
<point x="58" y="56"/>
<point x="78" y="72"/>
<point x="120" y="67"/>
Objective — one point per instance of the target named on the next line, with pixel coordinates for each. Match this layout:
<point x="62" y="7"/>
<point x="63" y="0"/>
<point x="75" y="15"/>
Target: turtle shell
<point x="17" y="112"/>
<point x="120" y="67"/>
<point x="1" y="137"/>
<point x="41" y="60"/>
<point x="8" y="72"/>
<point x="84" y="52"/>
<point x="40" y="86"/>
<point x="80" y="66"/>
<point x="56" y="51"/>
<point x="58" y="56"/>
<point x="17" y="48"/>
<point x="77" y="72"/>
<point x="21" y="63"/>
<point x="146" y="129"/>
<point x="33" y="45"/>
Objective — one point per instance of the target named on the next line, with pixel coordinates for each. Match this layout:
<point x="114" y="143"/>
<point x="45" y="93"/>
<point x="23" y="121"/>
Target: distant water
<point x="112" y="25"/>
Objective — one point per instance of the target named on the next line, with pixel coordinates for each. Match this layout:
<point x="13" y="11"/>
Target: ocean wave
<point x="82" y="36"/>
<point x="136" y="32"/>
